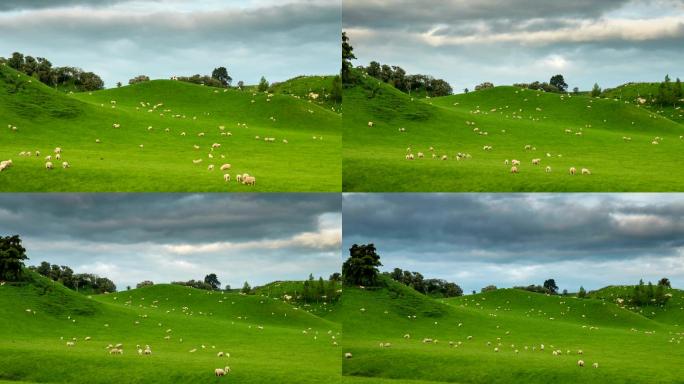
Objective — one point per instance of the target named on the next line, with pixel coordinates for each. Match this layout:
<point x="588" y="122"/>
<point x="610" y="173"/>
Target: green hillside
<point x="628" y="347"/>
<point x="267" y="339"/>
<point x="45" y="119"/>
<point x="507" y="119"/>
<point x="671" y="313"/>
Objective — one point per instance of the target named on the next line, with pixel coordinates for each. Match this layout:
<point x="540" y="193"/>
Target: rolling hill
<point x="628" y="347"/>
<point x="267" y="340"/>
<point x="610" y="137"/>
<point x="164" y="138"/>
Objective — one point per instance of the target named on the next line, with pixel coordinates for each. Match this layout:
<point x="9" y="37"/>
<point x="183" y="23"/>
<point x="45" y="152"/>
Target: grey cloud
<point x="13" y="5"/>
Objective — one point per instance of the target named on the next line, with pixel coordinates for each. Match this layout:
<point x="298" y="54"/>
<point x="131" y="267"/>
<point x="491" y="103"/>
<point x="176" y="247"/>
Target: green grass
<point x="612" y="336"/>
<point x="32" y="348"/>
<point x="374" y="158"/>
<point x="47" y="118"/>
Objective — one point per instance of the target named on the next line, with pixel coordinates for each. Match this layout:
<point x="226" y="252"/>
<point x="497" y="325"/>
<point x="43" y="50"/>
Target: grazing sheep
<point x="420" y="155"/>
<point x="220" y="354"/>
<point x="225" y="167"/>
<point x="515" y="162"/>
<point x="595" y="365"/>
<point x="506" y="162"/>
<point x="514" y="169"/>
<point x="226" y="177"/>
<point x="210" y="167"/>
<point x="573" y="170"/>
<point x="409" y="156"/>
<point x="536" y="161"/>
<point x="370" y="124"/>
<point x="48" y="157"/>
<point x="580" y="363"/>
<point x="249" y="180"/>
<point x="70" y="343"/>
<point x="65" y="164"/>
<point x="548" y="169"/>
<point x="585" y="171"/>
<point x="58" y="157"/>
<point x="444" y="157"/>
<point x="197" y="161"/>
<point x="348" y="355"/>
<point x="49" y="165"/>
<point x="219" y="372"/>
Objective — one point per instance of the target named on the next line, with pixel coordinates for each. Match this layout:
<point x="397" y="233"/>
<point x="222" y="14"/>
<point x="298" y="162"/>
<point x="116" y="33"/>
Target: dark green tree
<point x="347" y="57"/>
<point x="139" y="79"/>
<point x="665" y="282"/>
<point x="374" y="69"/>
<point x="213" y="281"/>
<point x="596" y="90"/>
<point x="263" y="85"/>
<point x="361" y="268"/>
<point x="335" y="276"/>
<point x="488" y="288"/>
<point x="221" y="74"/>
<point x="551" y="286"/>
<point x="246" y="289"/>
<point x="12" y="256"/>
<point x="582" y="293"/>
<point x="559" y="82"/>
<point x="146" y="283"/>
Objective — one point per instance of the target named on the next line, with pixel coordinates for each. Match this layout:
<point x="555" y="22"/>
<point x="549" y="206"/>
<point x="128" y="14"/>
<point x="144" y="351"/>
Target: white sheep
<point x="225" y="167"/>
<point x="580" y="363"/>
<point x="226" y="177"/>
<point x="348" y="355"/>
<point x="573" y="170"/>
<point x="370" y="124"/>
<point x="514" y="169"/>
<point x="210" y="167"/>
<point x="49" y="165"/>
<point x="249" y="180"/>
<point x="586" y="171"/>
<point x="548" y="169"/>
<point x="536" y="161"/>
<point x="65" y="164"/>
<point x="595" y="365"/>
<point x="48" y="157"/>
<point x="515" y="162"/>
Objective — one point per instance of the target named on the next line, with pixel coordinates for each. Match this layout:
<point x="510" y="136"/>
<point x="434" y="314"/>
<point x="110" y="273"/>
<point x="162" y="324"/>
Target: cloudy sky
<point x="119" y="39"/>
<point x="134" y="237"/>
<point x="521" y="239"/>
<point x="506" y="41"/>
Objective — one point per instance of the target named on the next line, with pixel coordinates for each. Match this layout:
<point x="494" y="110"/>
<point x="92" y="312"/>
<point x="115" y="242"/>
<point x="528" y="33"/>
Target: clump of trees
<point x="549" y="287"/>
<point x="488" y="288"/>
<point x="221" y="75"/>
<point x="138" y="79"/>
<point x="596" y="90"/>
<point x="647" y="294"/>
<point x="669" y="93"/>
<point x="80" y="282"/>
<point x="263" y="85"/>
<point x="146" y="283"/>
<point x="484" y="85"/>
<point x="210" y="283"/>
<point x="430" y="287"/>
<point x="12" y="256"/>
<point x="316" y="291"/>
<point x="399" y="79"/>
<point x="361" y="268"/>
<point x="41" y="69"/>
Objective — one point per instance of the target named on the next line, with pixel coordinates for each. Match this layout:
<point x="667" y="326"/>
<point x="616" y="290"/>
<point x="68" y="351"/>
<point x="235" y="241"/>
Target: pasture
<point x="263" y="339"/>
<point x="394" y="142"/>
<point x="168" y="136"/>
<point x="497" y="337"/>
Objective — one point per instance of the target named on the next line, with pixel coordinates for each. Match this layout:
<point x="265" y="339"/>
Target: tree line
<point x="428" y="287"/>
<point x="41" y="69"/>
<point x="80" y="282"/>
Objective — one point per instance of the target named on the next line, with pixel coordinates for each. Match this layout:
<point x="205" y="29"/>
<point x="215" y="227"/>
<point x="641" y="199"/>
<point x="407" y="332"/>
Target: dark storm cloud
<point x="121" y="39"/>
<point x="520" y="239"/>
<point x="395" y="13"/>
<point x="511" y="228"/>
<point x="505" y="42"/>
<point x="162" y="218"/>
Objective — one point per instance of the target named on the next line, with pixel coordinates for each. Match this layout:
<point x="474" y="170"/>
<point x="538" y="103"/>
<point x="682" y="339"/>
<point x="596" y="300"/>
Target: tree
<point x="227" y="288"/>
<point x="246" y="289"/>
<point x="213" y="281"/>
<point x="373" y="69"/>
<point x="221" y="74"/>
<point x="361" y="268"/>
<point x="335" y="277"/>
<point x="559" y="82"/>
<point x="89" y="81"/>
<point x="263" y="85"/>
<point x="575" y="91"/>
<point x="241" y="84"/>
<point x="484" y="85"/>
<point x="565" y="292"/>
<point x="336" y="90"/>
<point x="551" y="286"/>
<point x="128" y="287"/>
<point x="678" y="91"/>
<point x="146" y="283"/>
<point x="16" y="61"/>
<point x="118" y="84"/>
<point x="582" y="293"/>
<point x="466" y="90"/>
<point x="596" y="91"/>
<point x="138" y="79"/>
<point x="665" y="282"/>
<point x="488" y="289"/>
<point x="347" y="57"/>
<point x="12" y="256"/>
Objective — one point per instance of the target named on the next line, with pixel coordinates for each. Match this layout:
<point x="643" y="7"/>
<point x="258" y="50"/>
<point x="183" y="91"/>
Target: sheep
<point x="420" y="155"/>
<point x="585" y="171"/>
<point x="536" y="161"/>
<point x="226" y="177"/>
<point x="147" y="351"/>
<point x="595" y="365"/>
<point x="70" y="344"/>
<point x="370" y="124"/>
<point x="580" y="352"/>
<point x="116" y="351"/>
<point x="197" y="161"/>
<point x="515" y="162"/>
<point x="220" y="354"/>
<point x="348" y="355"/>
<point x="506" y="162"/>
<point x="210" y="167"/>
<point x="444" y="157"/>
<point x="249" y="180"/>
<point x="58" y="157"/>
<point x="409" y="156"/>
<point x="48" y="157"/>
<point x="580" y="363"/>
<point x="49" y="165"/>
<point x="225" y="167"/>
<point x="548" y="169"/>
<point x="573" y="170"/>
<point x="514" y="169"/>
<point x="65" y="164"/>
